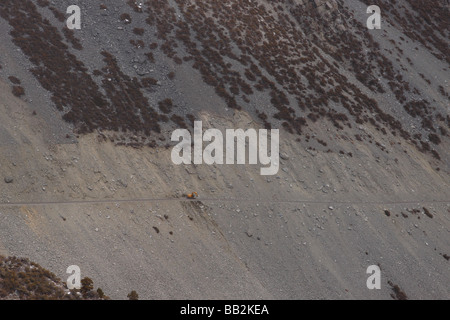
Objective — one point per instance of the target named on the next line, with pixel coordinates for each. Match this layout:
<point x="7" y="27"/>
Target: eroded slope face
<point x="364" y="140"/>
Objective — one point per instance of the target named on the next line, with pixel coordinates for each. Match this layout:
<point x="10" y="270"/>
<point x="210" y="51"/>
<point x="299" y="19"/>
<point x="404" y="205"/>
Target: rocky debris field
<point x="86" y="176"/>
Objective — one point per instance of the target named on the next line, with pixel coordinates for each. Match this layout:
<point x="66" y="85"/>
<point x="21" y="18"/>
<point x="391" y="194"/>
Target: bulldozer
<point x="192" y="195"/>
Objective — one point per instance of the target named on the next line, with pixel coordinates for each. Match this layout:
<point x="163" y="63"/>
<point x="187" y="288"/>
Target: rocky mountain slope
<point x="85" y="138"/>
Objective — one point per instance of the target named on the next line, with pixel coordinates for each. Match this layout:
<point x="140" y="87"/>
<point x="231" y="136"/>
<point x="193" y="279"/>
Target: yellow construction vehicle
<point x="192" y="195"/>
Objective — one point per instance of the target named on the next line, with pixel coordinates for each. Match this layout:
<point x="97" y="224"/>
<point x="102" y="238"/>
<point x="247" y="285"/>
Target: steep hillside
<point x="85" y="139"/>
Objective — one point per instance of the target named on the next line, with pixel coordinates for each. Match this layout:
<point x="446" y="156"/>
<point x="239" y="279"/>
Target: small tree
<point x="100" y="293"/>
<point x="87" y="285"/>
<point x="133" y="295"/>
<point x="18" y="91"/>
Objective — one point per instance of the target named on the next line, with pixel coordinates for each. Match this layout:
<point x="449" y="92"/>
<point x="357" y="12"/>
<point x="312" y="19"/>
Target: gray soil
<point x="309" y="232"/>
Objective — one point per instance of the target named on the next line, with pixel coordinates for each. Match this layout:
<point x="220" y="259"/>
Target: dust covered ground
<point x="351" y="192"/>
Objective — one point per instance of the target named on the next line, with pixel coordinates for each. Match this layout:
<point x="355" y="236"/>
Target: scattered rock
<point x="122" y="183"/>
<point x="284" y="156"/>
<point x="9" y="180"/>
<point x="142" y="72"/>
<point x="427" y="213"/>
